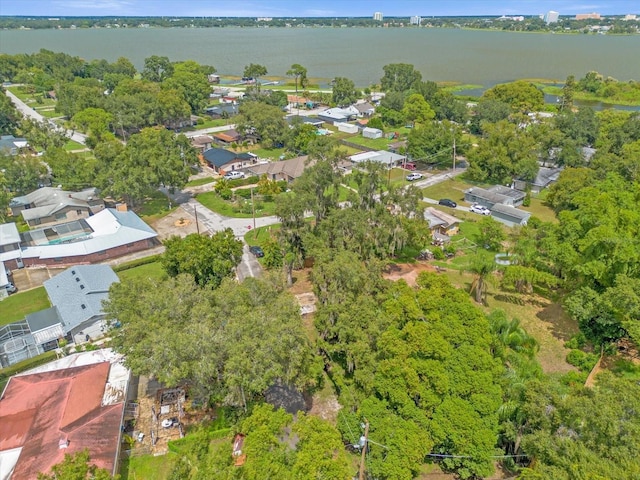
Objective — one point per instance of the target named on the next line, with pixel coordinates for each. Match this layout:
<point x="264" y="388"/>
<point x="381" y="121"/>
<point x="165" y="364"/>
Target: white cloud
<point x="80" y="5"/>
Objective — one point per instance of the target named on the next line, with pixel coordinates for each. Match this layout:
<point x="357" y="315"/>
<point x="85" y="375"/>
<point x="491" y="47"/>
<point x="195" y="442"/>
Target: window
<point x="81" y="287"/>
<point x="77" y="279"/>
<point x="83" y="306"/>
<point x="61" y="216"/>
<point x="78" y="212"/>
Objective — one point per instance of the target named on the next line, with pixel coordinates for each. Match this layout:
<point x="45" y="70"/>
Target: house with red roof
<point x="62" y="409"/>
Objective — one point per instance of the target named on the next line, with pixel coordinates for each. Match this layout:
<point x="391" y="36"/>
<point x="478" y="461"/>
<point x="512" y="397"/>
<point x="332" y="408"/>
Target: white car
<point x="475" y="208"/>
<point x="414" y="176"/>
<point x="234" y="175"/>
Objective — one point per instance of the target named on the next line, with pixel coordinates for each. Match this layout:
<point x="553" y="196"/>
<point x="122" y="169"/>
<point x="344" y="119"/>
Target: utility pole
<point x="253" y="212"/>
<point x="454" y="151"/>
<point x="364" y="449"/>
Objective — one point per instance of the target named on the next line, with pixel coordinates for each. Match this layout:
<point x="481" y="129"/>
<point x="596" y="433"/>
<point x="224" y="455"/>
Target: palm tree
<point x="482" y="266"/>
<point x="298" y="71"/>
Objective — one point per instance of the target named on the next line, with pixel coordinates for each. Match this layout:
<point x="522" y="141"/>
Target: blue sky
<point x="304" y="8"/>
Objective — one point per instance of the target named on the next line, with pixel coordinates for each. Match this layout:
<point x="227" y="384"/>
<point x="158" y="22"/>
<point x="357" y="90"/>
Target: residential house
<point x="365" y="109"/>
<point x="232" y="97"/>
<point x="222" y="160"/>
<point x="338" y="115"/>
<point x="9" y="254"/>
<point x="287" y="170"/>
<point x="201" y="143"/>
<point x="227" y="137"/>
<point x="226" y="110"/>
<point x="213" y="78"/>
<point x="10" y="145"/>
<point x="76" y="314"/>
<point x="441" y="224"/>
<point x="509" y="215"/>
<point x="107" y="234"/>
<point x="372" y="133"/>
<point x="78" y="293"/>
<point x="388" y="159"/>
<point x="544" y="178"/>
<point x="51" y="205"/>
<point x="67" y="406"/>
<point x="316" y="122"/>
<point x="495" y="195"/>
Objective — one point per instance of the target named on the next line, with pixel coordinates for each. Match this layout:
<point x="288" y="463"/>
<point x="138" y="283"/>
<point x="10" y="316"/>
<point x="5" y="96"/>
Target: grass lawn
<point x="19" y="304"/>
<point x="544" y="319"/>
<point x="271" y="153"/>
<point x="71" y="145"/>
<point x="214" y="202"/>
<point x="376" y="144"/>
<point x="155" y="207"/>
<point x="148" y="467"/>
<point x="453" y="189"/>
<point x="210" y="123"/>
<point x="49" y="113"/>
<point x="200" y="181"/>
<point x="149" y="270"/>
<point x="540" y="209"/>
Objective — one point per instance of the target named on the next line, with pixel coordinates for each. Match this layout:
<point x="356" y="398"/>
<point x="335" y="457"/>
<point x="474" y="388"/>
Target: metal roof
<point x="43" y="319"/>
<point x="9" y="234"/>
<point x="510" y="211"/>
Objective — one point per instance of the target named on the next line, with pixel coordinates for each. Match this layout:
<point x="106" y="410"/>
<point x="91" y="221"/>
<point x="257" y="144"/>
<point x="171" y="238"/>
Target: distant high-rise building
<point x="378" y="16"/>
<point x="551" y="17"/>
<point x="588" y="16"/>
<point x="415" y="20"/>
<point x="630" y="16"/>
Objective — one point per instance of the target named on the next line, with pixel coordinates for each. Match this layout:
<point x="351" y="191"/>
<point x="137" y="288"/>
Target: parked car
<point x="257" y="251"/>
<point x="410" y="166"/>
<point x="447" y="203"/>
<point x="11" y="288"/>
<point x="234" y="175"/>
<point x="414" y="176"/>
<point x="475" y="208"/>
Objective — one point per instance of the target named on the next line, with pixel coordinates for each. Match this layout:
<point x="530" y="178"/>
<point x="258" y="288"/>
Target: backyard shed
<point x="373" y="133"/>
<point x="509" y="216"/>
<point x="347" y="127"/>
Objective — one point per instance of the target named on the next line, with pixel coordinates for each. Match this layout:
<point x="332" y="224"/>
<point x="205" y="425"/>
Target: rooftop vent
<point x="63" y="443"/>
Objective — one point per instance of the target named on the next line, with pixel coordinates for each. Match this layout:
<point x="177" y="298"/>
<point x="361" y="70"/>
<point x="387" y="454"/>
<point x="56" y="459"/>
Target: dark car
<point x="447" y="203"/>
<point x="257" y="251"/>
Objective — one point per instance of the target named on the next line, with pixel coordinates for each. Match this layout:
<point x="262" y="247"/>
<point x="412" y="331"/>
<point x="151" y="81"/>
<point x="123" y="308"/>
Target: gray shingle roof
<point x="78" y="292"/>
<point x="43" y="319"/>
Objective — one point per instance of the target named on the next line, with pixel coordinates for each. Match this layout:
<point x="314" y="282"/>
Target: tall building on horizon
<point x="378" y="16"/>
<point x="588" y="16"/>
<point x="551" y="17"/>
<point x="415" y="20"/>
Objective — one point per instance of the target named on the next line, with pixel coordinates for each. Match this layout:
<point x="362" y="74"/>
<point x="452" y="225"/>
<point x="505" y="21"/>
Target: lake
<point x="466" y="56"/>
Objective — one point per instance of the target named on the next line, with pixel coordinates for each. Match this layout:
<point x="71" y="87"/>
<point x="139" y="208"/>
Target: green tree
<point x="9" y="116"/>
<point x="157" y="68"/>
<point x="264" y="120"/>
<point x="399" y="77"/>
<point x="344" y="91"/>
<point x="491" y="234"/>
<point x="188" y="79"/>
<point x="482" y="267"/>
<point x="523" y="96"/>
<point x="416" y="109"/>
<point x="209" y="259"/>
<point x="153" y="158"/>
<point x="298" y="72"/>
<point x="255" y="71"/>
<point x="77" y="467"/>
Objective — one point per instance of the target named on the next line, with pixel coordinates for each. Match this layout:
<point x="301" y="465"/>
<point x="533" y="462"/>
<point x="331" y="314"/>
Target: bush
<point x="438" y="254"/>
<point x="584" y="361"/>
<point x="136" y="263"/>
<point x="527" y="200"/>
<point x="244" y="193"/>
<point x="225" y="194"/>
<point x="577" y="341"/>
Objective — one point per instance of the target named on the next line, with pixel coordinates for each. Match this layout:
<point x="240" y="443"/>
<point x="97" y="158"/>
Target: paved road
<point x="205" y="131"/>
<point x="29" y="112"/>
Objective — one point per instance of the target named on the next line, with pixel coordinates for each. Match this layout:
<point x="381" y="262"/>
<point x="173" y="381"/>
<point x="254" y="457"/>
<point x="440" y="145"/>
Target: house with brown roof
<point x="201" y="143"/>
<point x="441" y="224"/>
<point x="58" y="409"/>
<point x="287" y="170"/>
